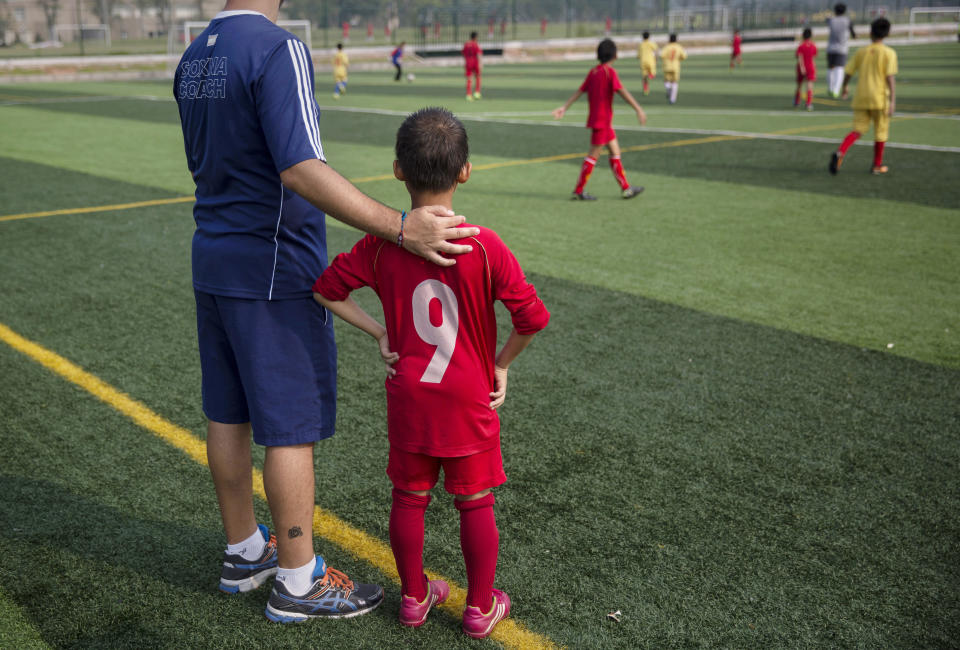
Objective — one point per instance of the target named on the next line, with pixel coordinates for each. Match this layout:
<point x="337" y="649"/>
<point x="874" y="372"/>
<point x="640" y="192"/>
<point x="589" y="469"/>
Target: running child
<point x="395" y="58"/>
<point x="445" y="378"/>
<point x="340" y="63"/>
<point x="671" y="56"/>
<point x="736" y="56"/>
<point x="806" y="67"/>
<point x="876" y="97"/>
<point x="647" y="53"/>
<point x="839" y="26"/>
<point x="473" y="62"/>
<point x="600" y="85"/>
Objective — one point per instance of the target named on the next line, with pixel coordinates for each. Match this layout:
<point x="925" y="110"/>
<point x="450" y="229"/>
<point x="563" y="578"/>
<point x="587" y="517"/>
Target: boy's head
<point x="606" y="51"/>
<point x="807" y="33"/>
<point x="646" y="35"/>
<point x="736" y="32"/>
<point x="673" y="38"/>
<point x="879" y="28"/>
<point x="839" y="8"/>
<point x="432" y="151"/>
<point x="473" y="36"/>
<point x="339" y="46"/>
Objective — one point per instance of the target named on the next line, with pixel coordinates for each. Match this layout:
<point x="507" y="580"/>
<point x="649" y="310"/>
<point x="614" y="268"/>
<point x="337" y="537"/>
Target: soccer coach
<point x="245" y="94"/>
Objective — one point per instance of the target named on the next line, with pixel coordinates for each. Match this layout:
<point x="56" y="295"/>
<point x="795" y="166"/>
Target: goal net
<point x="178" y="39"/>
<point x="698" y="19"/>
<point x="88" y="32"/>
<point x="925" y="17"/>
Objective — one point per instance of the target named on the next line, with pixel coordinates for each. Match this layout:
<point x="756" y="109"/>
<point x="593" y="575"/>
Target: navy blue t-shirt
<point x="244" y="88"/>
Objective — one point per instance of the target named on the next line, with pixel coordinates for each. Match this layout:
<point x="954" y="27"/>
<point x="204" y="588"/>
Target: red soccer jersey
<point x="600" y="85"/>
<point x="441" y="322"/>
<point x="807" y="50"/>
<point x="471" y="52"/>
<point x="736" y="44"/>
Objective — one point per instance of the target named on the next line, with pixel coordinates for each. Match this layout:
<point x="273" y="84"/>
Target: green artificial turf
<point x="712" y="436"/>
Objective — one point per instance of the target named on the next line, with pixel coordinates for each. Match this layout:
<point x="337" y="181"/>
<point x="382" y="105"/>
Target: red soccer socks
<point x="585" y="170"/>
<point x="878" y="154"/>
<point x="617" y="168"/>
<point x="848" y="141"/>
<point x="480" y="542"/>
<point x="406" y="541"/>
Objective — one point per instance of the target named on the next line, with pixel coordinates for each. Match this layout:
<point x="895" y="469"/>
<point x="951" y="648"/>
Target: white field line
<point x="497" y="118"/>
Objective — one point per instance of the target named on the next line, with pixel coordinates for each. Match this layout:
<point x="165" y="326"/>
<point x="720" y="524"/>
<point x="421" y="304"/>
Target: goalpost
<point x="104" y="31"/>
<point x="179" y="39"/>
<point x="715" y="18"/>
<point x="915" y="11"/>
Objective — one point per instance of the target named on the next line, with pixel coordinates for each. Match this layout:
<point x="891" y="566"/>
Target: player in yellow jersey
<point x="875" y="99"/>
<point x="340" y="63"/>
<point x="647" y="53"/>
<point x="672" y="55"/>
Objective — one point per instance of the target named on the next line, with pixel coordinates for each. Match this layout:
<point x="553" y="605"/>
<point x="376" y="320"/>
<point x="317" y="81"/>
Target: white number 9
<point x="444" y="336"/>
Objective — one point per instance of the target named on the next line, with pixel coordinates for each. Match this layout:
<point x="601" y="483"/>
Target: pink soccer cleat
<point x="413" y="613"/>
<point x="478" y="625"/>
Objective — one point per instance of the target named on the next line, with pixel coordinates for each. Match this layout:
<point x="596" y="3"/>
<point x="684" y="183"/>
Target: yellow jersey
<point x="647" y="52"/>
<point x="875" y="63"/>
<point x="340" y="63"/>
<point x="671" y="55"/>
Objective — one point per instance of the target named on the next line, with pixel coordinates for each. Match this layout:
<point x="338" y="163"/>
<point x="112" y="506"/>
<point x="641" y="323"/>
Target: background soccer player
<point x="806" y="67"/>
<point x="340" y="63"/>
<point x="647" y="53"/>
<point x="600" y="85"/>
<point x="396" y="58"/>
<point x="473" y="63"/>
<point x="736" y="57"/>
<point x="839" y="26"/>
<point x="672" y="55"/>
<point x="876" y="97"/>
<point x="444" y="380"/>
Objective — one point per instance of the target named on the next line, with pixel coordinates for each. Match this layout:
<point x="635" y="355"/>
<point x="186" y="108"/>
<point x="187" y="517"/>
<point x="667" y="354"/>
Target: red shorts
<point x="461" y="475"/>
<point x="602" y="136"/>
<point x="472" y="68"/>
<point x="810" y="76"/>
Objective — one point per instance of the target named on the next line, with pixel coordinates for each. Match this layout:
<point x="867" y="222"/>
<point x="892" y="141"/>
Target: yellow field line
<point x="326" y="525"/>
<point x="98" y="208"/>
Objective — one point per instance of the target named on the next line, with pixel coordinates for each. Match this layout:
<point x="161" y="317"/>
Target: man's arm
<point x="892" y="84"/>
<point x="425" y="230"/>
<point x="641" y="116"/>
<point x="558" y="112"/>
<point x="853" y="34"/>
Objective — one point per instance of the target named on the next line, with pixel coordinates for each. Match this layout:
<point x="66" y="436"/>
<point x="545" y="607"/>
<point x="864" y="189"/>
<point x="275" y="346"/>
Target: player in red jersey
<point x="600" y="85"/>
<point x="736" y="57"/>
<point x="473" y="61"/>
<point x="806" y="68"/>
<point x="445" y="378"/>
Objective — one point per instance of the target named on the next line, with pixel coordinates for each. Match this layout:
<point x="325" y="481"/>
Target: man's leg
<point x="288" y="481"/>
<point x="228" y="454"/>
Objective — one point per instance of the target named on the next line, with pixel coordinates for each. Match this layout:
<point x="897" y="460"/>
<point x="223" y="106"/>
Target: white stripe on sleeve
<point x="305" y="112"/>
<point x="311" y="100"/>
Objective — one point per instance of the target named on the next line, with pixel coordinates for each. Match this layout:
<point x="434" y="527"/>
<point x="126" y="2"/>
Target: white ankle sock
<point x="249" y="549"/>
<point x="299" y="580"/>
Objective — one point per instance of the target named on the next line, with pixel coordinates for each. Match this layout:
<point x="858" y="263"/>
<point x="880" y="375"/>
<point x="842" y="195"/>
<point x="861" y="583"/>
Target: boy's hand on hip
<point x="499" y="394"/>
<point x="428" y="230"/>
<point x="389" y="357"/>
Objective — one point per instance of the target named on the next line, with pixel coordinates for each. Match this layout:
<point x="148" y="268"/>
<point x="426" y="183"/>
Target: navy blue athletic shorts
<point x="270" y="363"/>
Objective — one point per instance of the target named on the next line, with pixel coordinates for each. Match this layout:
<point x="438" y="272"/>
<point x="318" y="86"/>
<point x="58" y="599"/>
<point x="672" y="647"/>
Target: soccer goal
<point x="933" y="15"/>
<point x="691" y="19"/>
<point x="179" y="39"/>
<point x="75" y="31"/>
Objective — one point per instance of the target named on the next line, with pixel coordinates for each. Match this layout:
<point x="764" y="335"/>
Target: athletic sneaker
<point x="333" y="595"/>
<point x="240" y="574"/>
<point x="836" y="159"/>
<point x="476" y="94"/>
<point x="478" y="625"/>
<point x="583" y="196"/>
<point x="413" y="613"/>
<point x="469" y="97"/>
<point x="631" y="191"/>
<point x="880" y="169"/>
<point x="809" y="107"/>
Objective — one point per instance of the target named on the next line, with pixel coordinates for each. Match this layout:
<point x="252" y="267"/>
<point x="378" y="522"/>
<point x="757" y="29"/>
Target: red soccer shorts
<point x="602" y="136"/>
<point x="810" y="76"/>
<point x="461" y="475"/>
<point x="471" y="69"/>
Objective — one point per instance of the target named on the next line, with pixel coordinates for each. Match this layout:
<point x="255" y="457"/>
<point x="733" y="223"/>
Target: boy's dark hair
<point x="673" y="38"/>
<point x="807" y="33"/>
<point x="431" y="149"/>
<point x="839" y="8"/>
<point x="339" y="46"/>
<point x="646" y="34"/>
<point x="606" y="51"/>
<point x="880" y="28"/>
<point x="473" y="35"/>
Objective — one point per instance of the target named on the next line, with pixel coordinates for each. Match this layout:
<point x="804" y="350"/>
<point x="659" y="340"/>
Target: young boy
<point x="875" y="99"/>
<point x="647" y="53"/>
<point x="340" y="63"/>
<point x="600" y="85"/>
<point x="839" y="26"/>
<point x="473" y="63"/>
<point x="736" y="57"/>
<point x="395" y="58"/>
<point x="445" y="379"/>
<point x="671" y="56"/>
<point x="806" y="67"/>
